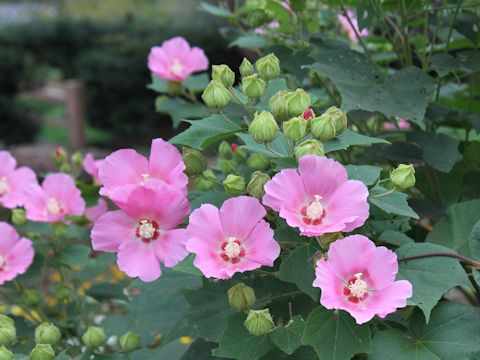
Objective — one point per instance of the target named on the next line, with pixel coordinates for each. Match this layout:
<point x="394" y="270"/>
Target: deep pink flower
<point x="143" y="232"/>
<point x="92" y="166"/>
<point x="318" y="198"/>
<point x="95" y="211"/>
<point x="56" y="198"/>
<point x="308" y="114"/>
<point x="13" y="181"/>
<point x="176" y="60"/>
<point x="359" y="277"/>
<point x="349" y="30"/>
<point x="402" y="124"/>
<point x="232" y="239"/>
<point x="123" y="170"/>
<point x="16" y="254"/>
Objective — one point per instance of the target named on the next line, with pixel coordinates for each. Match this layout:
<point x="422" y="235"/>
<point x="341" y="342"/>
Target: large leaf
<point x="454" y="229"/>
<point x="474" y="240"/>
<point x="336" y="336"/>
<point x="288" y="338"/>
<point x="349" y="138"/>
<point x="179" y="109"/>
<point x="431" y="277"/>
<point x="278" y="147"/>
<point x="392" y="202"/>
<point x="365" y="173"/>
<point x="453" y="333"/>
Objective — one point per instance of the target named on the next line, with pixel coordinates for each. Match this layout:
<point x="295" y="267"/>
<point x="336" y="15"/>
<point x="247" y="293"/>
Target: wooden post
<point x="75" y="104"/>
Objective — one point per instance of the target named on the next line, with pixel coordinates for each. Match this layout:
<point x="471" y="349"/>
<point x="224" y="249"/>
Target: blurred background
<point x="87" y="59"/>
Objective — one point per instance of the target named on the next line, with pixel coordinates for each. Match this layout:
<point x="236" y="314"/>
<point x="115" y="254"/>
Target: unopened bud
<point x="403" y="176"/>
<point x="8" y="335"/>
<point x="225" y="150"/>
<point x="47" y="333"/>
<point x="65" y="168"/>
<point x="194" y="161"/>
<point x="239" y="154"/>
<point x="309" y="147"/>
<point x="308" y="114"/>
<point x="5" y="354"/>
<point x="295" y="129"/>
<point x="246" y="68"/>
<point x="62" y="292"/>
<point x="228" y="167"/>
<point x="59" y="229"/>
<point x="259" y="322"/>
<point x="297" y="102"/>
<point x="263" y="128"/>
<point x="206" y="181"/>
<point x="241" y="297"/>
<point x="234" y="184"/>
<point x="216" y="95"/>
<point x="77" y="159"/>
<point x="257" y="183"/>
<point x="268" y="67"/>
<point x="257" y="17"/>
<point x="257" y="161"/>
<point x="278" y="105"/>
<point x="340" y="118"/>
<point x="59" y="156"/>
<point x="130" y="342"/>
<point x="18" y="217"/>
<point x="94" y="337"/>
<point x="323" y="127"/>
<point x="31" y="298"/>
<point x="5" y="321"/>
<point x="223" y="74"/>
<point x="253" y="86"/>
<point x="42" y="352"/>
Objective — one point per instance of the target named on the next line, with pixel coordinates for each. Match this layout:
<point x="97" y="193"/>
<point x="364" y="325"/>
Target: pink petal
<point x="204" y="223"/>
<point x="62" y="188"/>
<point x="207" y="258"/>
<point x="391" y="298"/>
<point x="35" y="203"/>
<point x="198" y="59"/>
<point x="8" y="238"/>
<point x="137" y="259"/>
<point x="239" y="215"/>
<point x="261" y="247"/>
<point x="176" y="47"/>
<point x="382" y="268"/>
<point x="17" y="181"/>
<point x="285" y="190"/>
<point x="170" y="247"/>
<point x="111" y="230"/>
<point x="7" y="163"/>
<point x="94" y="212"/>
<point x="20" y="257"/>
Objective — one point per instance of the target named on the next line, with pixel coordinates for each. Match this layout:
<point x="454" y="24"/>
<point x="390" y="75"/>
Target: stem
<point x="406" y="42"/>
<point x="357" y="35"/>
<point x="222" y="114"/>
<point x="277" y="154"/>
<point x="383" y="194"/>
<point x="467" y="260"/>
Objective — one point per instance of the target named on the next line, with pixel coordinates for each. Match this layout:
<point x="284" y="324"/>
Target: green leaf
<point x="158" y="84"/>
<point x="186" y="266"/>
<point x="253" y="42"/>
<point x="349" y="138"/>
<point x="285" y="163"/>
<point x="474" y="241"/>
<point x="392" y="203"/>
<point x="288" y="338"/>
<point x="431" y="277"/>
<point x="336" y="336"/>
<point x="197" y="198"/>
<point x="196" y="83"/>
<point x="214" y="10"/>
<point x="365" y="173"/>
<point x="279" y="145"/>
<point x="453" y="333"/>
<point x="297" y="269"/>
<point x="237" y="343"/>
<point x="454" y="229"/>
<point x="173" y="350"/>
<point x="395" y="238"/>
<point x="179" y="109"/>
<point x="76" y="255"/>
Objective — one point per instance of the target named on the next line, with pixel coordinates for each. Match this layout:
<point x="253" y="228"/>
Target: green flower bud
<point x="234" y="184"/>
<point x="253" y="86"/>
<point x="5" y="321"/>
<point x="65" y="168"/>
<point x="225" y="150"/>
<point x="340" y="118"/>
<point x="206" y="181"/>
<point x="94" y="337"/>
<point x="403" y="176"/>
<point x="47" y="333"/>
<point x="62" y="292"/>
<point x="323" y="127"/>
<point x="258" y="162"/>
<point x="259" y="322"/>
<point x="257" y="17"/>
<point x="18" y="217"/>
<point x="59" y="229"/>
<point x="241" y="297"/>
<point x="223" y="74"/>
<point x="130" y="342"/>
<point x="257" y="183"/>
<point x="297" y="102"/>
<point x="174" y="88"/>
<point x="278" y="105"/>
<point x="228" y="167"/>
<point x="246" y="68"/>
<point x="8" y="334"/>
<point x="239" y="154"/>
<point x="268" y="67"/>
<point x="77" y="159"/>
<point x="295" y="128"/>
<point x="194" y="161"/>
<point x="263" y="128"/>
<point x="42" y="352"/>
<point x="31" y="298"/>
<point x="5" y="354"/>
<point x="308" y="147"/>
<point x="59" y="156"/>
<point x="216" y="95"/>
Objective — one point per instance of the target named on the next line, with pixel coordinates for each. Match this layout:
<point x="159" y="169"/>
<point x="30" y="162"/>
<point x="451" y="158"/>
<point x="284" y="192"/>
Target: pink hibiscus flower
<point x="16" y="254"/>
<point x="123" y="170"/>
<point x="95" y="211"/>
<point x="143" y="233"/>
<point x="232" y="239"/>
<point x="13" y="181"/>
<point x="318" y="198"/>
<point x="175" y="60"/>
<point x="54" y="200"/>
<point x="92" y="166"/>
<point x="359" y="277"/>
<point x="349" y="30"/>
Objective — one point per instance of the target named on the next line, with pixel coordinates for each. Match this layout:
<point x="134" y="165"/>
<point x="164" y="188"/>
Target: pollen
<point x="232" y="250"/>
<point x="314" y="212"/>
<point x="176" y="67"/>
<point x="53" y="206"/>
<point x="147" y="230"/>
<point x="3" y="186"/>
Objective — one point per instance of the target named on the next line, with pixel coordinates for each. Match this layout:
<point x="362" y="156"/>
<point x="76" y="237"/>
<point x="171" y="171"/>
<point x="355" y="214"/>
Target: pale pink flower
<point x="16" y="254"/>
<point x="95" y="211"/>
<point x="359" y="277"/>
<point x="92" y="166"/>
<point x="123" y="170"/>
<point x="232" y="239"/>
<point x="13" y="181"/>
<point x="143" y="232"/>
<point x="175" y="60"/>
<point x="318" y="198"/>
<point x="402" y="124"/>
<point x="349" y="30"/>
<point x="54" y="200"/>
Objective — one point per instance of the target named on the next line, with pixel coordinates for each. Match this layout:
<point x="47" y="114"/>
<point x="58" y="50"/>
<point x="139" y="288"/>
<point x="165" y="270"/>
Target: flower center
<point x="232" y="250"/>
<point x="54" y="207"/>
<point x="314" y="212"/>
<point x="2" y="262"/>
<point x="147" y="230"/>
<point x="145" y="178"/>
<point x="3" y="186"/>
<point x="176" y="68"/>
<point x="357" y="288"/>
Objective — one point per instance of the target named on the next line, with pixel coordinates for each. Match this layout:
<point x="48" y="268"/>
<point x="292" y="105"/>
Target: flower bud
<point x="258" y="162"/>
<point x="65" y="168"/>
<point x="18" y="217"/>
<point x="278" y="105"/>
<point x="323" y="127"/>
<point x="194" y="161"/>
<point x="268" y="67"/>
<point x="42" y="352"/>
<point x="130" y="342"/>
<point x="239" y="155"/>
<point x="297" y="102"/>
<point x="223" y="74"/>
<point x="206" y="181"/>
<point x="246" y="68"/>
<point x="77" y="159"/>
<point x="256" y="185"/>
<point x="5" y="354"/>
<point x="340" y="118"/>
<point x="241" y="297"/>
<point x="216" y="95"/>
<point x="31" y="298"/>
<point x="295" y="129"/>
<point x="225" y="150"/>
<point x="234" y="184"/>
<point x="59" y="229"/>
<point x="259" y="322"/>
<point x="5" y="321"/>
<point x="308" y="114"/>
<point x="47" y="333"/>
<point x="403" y="176"/>
<point x="94" y="337"/>
<point x="8" y="334"/>
<point x="62" y="292"/>
<point x="59" y="156"/>
<point x="253" y="86"/>
<point x="227" y="167"/>
<point x="309" y="147"/>
<point x="257" y="17"/>
<point x="174" y="88"/>
<point x="263" y="128"/>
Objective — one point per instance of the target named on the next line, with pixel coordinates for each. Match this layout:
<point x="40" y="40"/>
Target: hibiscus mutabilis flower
<point x="16" y="254"/>
<point x="318" y="198"/>
<point x="13" y="181"/>
<point x="232" y="239"/>
<point x="359" y="277"/>
<point x="143" y="232"/>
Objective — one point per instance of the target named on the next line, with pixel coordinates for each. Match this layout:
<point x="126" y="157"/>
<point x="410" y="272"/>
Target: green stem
<point x="406" y="41"/>
<point x="383" y="194"/>
<point x="475" y="264"/>
<point x="357" y="35"/>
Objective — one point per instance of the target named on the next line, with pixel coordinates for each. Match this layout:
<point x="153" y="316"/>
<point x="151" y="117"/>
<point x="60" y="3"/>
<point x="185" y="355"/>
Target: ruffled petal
<point x="137" y="259"/>
<point x="239" y="215"/>
<point x="170" y="247"/>
<point x="111" y="230"/>
<point x="285" y="190"/>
